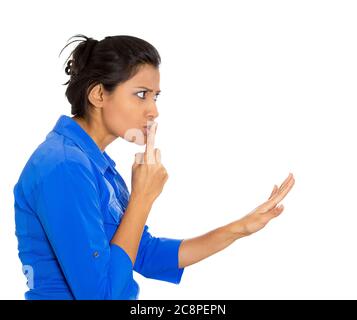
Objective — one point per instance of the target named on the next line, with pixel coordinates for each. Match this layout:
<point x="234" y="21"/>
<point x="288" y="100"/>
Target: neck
<point x="96" y="130"/>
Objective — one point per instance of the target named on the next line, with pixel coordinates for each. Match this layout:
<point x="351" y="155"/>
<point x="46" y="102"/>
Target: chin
<point x="135" y="136"/>
<point x="139" y="140"/>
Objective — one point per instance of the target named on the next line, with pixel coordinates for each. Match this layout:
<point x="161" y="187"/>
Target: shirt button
<point x="96" y="254"/>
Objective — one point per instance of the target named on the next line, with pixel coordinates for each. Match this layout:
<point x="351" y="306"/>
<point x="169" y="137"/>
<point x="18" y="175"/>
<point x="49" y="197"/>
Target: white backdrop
<point x="251" y="90"/>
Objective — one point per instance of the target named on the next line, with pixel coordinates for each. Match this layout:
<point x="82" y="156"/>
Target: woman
<point x="81" y="234"/>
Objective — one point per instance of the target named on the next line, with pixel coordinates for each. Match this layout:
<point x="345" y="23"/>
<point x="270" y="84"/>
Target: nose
<point x="153" y="112"/>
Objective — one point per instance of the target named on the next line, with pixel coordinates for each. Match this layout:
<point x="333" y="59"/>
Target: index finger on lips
<point x="150" y="141"/>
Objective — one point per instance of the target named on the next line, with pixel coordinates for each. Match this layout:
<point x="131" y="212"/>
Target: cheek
<point x="123" y="116"/>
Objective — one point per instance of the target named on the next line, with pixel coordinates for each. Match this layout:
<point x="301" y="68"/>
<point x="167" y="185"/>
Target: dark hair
<point x="109" y="61"/>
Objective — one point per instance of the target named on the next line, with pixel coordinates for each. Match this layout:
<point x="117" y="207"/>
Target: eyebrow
<point x="148" y="89"/>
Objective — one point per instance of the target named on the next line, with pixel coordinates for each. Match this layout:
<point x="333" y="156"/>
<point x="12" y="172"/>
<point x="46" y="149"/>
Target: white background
<point x="251" y="90"/>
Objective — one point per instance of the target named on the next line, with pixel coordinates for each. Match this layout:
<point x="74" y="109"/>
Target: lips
<point x="147" y="128"/>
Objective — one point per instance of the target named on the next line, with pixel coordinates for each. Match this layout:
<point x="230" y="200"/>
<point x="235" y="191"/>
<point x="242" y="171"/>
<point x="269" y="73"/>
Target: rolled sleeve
<point x="69" y="209"/>
<point x="158" y="258"/>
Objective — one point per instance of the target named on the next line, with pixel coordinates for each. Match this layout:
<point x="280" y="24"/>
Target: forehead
<point x="147" y="76"/>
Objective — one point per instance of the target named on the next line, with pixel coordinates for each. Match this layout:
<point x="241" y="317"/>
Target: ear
<point x="95" y="95"/>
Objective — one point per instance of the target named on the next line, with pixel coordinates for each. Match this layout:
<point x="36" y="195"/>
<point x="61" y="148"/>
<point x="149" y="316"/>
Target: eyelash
<point x="144" y="95"/>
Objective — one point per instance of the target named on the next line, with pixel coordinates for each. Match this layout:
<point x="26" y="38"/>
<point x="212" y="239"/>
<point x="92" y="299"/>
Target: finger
<point x="158" y="155"/>
<point x="290" y="176"/>
<point x="273" y="213"/>
<point x="139" y="158"/>
<point x="275" y="189"/>
<point x="277" y="210"/>
<point x="280" y="195"/>
<point x="287" y="180"/>
<point x="150" y="141"/>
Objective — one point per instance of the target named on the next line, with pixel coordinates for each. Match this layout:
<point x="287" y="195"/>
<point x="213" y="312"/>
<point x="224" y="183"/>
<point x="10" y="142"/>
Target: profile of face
<point x="131" y="107"/>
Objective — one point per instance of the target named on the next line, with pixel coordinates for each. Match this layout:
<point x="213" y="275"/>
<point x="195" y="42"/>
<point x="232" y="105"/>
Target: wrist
<point x="141" y="201"/>
<point x="236" y="230"/>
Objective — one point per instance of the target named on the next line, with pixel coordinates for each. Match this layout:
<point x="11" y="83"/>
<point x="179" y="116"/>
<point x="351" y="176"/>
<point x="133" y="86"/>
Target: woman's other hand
<point x="261" y="215"/>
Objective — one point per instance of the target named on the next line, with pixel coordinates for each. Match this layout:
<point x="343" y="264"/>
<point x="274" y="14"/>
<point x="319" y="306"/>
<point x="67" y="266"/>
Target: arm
<point x="196" y="249"/>
<point x="130" y="230"/>
<point x="158" y="258"/>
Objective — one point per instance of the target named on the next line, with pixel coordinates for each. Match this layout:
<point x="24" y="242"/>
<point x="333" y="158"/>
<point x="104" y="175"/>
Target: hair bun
<point x="80" y="55"/>
<point x="69" y="68"/>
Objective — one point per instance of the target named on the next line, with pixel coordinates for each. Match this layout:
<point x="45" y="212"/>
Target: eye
<point x="141" y="95"/>
<point x="141" y="92"/>
<point x="156" y="96"/>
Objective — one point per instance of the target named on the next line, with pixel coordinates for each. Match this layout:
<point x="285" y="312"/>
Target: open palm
<point x="261" y="215"/>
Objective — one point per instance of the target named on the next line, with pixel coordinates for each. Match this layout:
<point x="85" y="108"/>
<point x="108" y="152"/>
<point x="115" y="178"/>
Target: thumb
<point x="275" y="189"/>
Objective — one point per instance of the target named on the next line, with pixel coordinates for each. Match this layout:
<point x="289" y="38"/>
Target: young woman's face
<point x="132" y="105"/>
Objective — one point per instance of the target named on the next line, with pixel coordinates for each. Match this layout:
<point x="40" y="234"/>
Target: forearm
<point x="129" y="232"/>
<point x="196" y="249"/>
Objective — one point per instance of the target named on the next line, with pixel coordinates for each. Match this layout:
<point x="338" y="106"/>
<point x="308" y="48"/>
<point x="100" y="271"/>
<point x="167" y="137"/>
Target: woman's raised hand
<point x="148" y="174"/>
<point x="261" y="215"/>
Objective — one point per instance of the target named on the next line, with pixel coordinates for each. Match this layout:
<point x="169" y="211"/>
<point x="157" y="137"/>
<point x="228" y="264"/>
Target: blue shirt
<point x="69" y="201"/>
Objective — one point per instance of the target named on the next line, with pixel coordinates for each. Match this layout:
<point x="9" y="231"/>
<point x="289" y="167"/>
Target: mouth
<point x="147" y="129"/>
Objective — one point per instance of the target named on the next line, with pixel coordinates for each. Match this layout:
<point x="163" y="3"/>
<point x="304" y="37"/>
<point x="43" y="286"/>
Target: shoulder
<point x="56" y="156"/>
